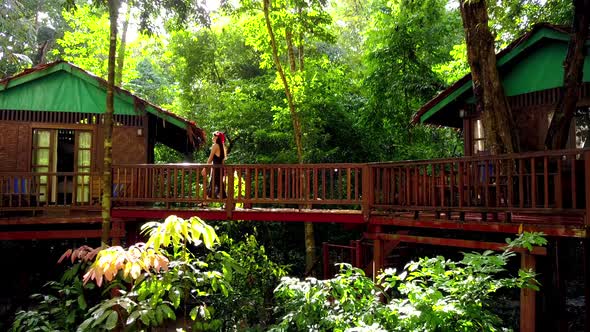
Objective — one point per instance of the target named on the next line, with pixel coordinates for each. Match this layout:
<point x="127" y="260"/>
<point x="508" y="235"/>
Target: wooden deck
<point x="541" y="191"/>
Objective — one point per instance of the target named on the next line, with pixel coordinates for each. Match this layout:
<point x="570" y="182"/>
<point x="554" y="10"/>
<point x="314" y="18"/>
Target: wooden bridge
<point x="542" y="191"/>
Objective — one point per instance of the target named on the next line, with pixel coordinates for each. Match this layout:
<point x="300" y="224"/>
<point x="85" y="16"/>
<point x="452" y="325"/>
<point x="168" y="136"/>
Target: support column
<point x="377" y="251"/>
<point x="527" y="297"/>
<point x="559" y="289"/>
<point x="117" y="232"/>
<point x="133" y="235"/>
<point x="586" y="241"/>
<point x="586" y="259"/>
<point x="359" y="254"/>
<point x="326" y="260"/>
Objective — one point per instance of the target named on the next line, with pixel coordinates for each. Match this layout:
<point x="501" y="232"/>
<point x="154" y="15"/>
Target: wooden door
<point x="83" y="165"/>
<point x="44" y="161"/>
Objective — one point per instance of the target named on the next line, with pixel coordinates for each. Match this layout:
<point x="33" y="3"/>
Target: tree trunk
<point x="290" y="50"/>
<point x="121" y="54"/>
<point x="558" y="132"/>
<point x="500" y="129"/>
<point x="309" y="232"/>
<point x="107" y="175"/>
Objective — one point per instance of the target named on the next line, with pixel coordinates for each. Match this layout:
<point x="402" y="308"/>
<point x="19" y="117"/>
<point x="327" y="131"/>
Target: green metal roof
<point x="533" y="62"/>
<point x="63" y="87"/>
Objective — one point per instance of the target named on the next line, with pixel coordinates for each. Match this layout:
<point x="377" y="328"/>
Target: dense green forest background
<point x="362" y="70"/>
<point x="369" y="65"/>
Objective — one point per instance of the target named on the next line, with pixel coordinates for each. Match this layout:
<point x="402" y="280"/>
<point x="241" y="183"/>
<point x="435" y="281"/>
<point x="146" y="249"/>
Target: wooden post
<point x="586" y="263"/>
<point x="117" y="232"/>
<point x="559" y="290"/>
<point x="229" y="201"/>
<point x="367" y="191"/>
<point x="359" y="254"/>
<point x="326" y="260"/>
<point x="377" y="251"/>
<point x="527" y="297"/>
<point x="586" y="244"/>
<point x="587" y="187"/>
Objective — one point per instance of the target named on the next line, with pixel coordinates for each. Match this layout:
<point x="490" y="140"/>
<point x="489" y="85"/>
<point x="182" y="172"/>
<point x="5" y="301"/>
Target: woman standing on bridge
<point x="217" y="157"/>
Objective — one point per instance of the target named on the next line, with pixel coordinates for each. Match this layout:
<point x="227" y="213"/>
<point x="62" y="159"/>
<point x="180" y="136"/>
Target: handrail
<point x="43" y="190"/>
<point x="551" y="182"/>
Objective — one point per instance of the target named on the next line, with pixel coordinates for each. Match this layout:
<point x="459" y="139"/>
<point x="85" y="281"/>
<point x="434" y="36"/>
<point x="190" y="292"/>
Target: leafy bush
<point x="169" y="280"/>
<point x="63" y="306"/>
<point x="432" y="294"/>
<point x="250" y="303"/>
<point x="144" y="285"/>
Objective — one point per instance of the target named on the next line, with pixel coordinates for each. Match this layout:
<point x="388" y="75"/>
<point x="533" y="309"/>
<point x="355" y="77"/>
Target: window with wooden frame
<point x="43" y="161"/>
<point x="478" y="137"/>
<point x="581" y="125"/>
<point x="83" y="164"/>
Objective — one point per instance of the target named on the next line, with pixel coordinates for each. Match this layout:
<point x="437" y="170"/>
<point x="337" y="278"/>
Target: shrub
<point x="432" y="294"/>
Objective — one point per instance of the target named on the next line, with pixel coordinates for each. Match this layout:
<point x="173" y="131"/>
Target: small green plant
<point x="432" y="294"/>
<point x="160" y="278"/>
<point x="61" y="308"/>
<point x="252" y="285"/>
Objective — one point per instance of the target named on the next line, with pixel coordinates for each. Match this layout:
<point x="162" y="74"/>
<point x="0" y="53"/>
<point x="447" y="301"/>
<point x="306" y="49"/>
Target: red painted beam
<point x="55" y="235"/>
<point x="252" y="215"/>
<point x="488" y="226"/>
<point x="459" y="243"/>
<point x="46" y="220"/>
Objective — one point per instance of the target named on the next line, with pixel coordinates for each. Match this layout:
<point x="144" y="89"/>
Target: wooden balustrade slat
<point x="498" y="179"/>
<point x="331" y="182"/>
<point x="460" y="171"/>
<point x="315" y="183"/>
<point x="414" y="176"/>
<point x="444" y="185"/>
<point x="558" y="184"/>
<point x="510" y="184"/>
<point x="324" y="196"/>
<point x="146" y="183"/>
<point x="486" y="183"/>
<point x="574" y="182"/>
<point x="256" y="182"/>
<point x="533" y="183"/>
<point x="521" y="183"/>
<point x="546" y="182"/>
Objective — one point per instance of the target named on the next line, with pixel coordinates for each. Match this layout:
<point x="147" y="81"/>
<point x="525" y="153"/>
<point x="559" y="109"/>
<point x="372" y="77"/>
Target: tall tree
<point x="121" y="53"/>
<point x="558" y="132"/>
<point x="500" y="129"/>
<point x="107" y="173"/>
<point x="283" y="31"/>
<point x="399" y="57"/>
<point x="86" y="44"/>
<point x="295" y="118"/>
<point x="177" y="12"/>
<point x="28" y="30"/>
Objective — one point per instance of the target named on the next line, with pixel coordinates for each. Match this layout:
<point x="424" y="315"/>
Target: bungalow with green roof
<point x="50" y="118"/>
<point x="531" y="70"/>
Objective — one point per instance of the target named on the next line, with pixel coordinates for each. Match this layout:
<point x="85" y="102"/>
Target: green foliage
<point x="511" y="18"/>
<point x="61" y="308"/>
<point x="153" y="297"/>
<point x="26" y="35"/>
<point x="431" y="294"/>
<point x="455" y="69"/>
<point x="180" y="274"/>
<point x="254" y="278"/>
<point x="86" y="43"/>
<point x="405" y="41"/>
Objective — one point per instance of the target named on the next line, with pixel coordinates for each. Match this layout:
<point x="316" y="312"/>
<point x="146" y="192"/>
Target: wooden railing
<point x="37" y="191"/>
<point x="550" y="181"/>
<point x="554" y="182"/>
<point x="265" y="185"/>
